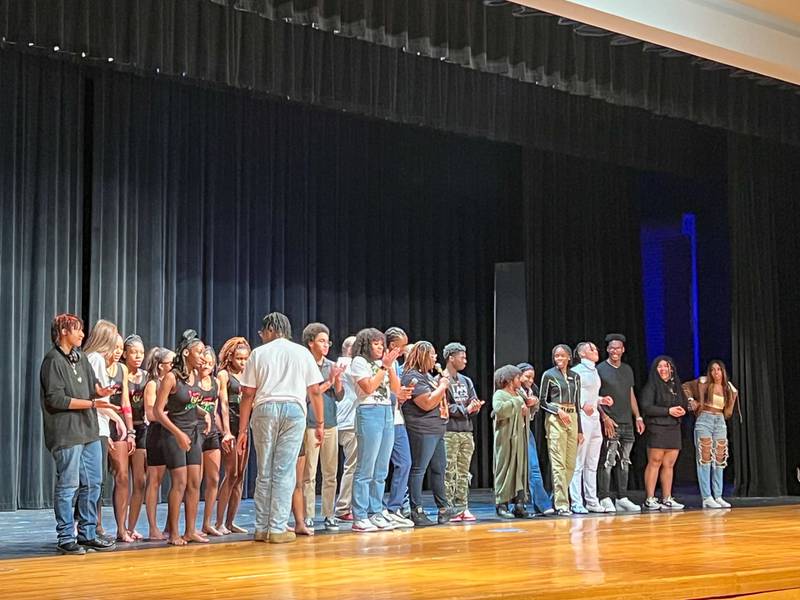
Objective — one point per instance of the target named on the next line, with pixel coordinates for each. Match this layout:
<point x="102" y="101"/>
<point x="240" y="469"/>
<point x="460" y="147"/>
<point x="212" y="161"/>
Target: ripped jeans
<point x="711" y="442"/>
<point x="615" y="456"/>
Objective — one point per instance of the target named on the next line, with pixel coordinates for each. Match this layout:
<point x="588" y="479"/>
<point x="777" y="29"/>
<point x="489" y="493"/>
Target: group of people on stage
<point x="591" y="414"/>
<point x="385" y="401"/>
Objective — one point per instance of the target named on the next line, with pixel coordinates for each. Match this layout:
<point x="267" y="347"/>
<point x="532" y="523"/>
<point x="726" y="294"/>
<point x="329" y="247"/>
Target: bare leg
<point x="667" y="467"/>
<point x="138" y="469"/>
<point x="211" y="461"/>
<point x="118" y="451"/>
<point x="176" y="493"/>
<point x="229" y="460"/>
<point x="655" y="457"/>
<point x="236" y="494"/>
<point x="154" y="477"/>
<point x="298" y="501"/>
<point x="191" y="500"/>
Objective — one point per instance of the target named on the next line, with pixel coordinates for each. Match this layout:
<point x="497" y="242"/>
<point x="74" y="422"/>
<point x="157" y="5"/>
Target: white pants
<point x="586" y="463"/>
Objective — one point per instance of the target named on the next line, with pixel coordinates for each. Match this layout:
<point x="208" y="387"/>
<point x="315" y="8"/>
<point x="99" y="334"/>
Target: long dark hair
<point x="672" y="386"/>
<point x="726" y="388"/>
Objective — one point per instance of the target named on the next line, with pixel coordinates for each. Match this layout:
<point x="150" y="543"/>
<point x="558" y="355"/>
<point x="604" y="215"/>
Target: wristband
<point x="93" y="403"/>
<point x="639" y="419"/>
<point x="383" y="368"/>
<point x="127" y="410"/>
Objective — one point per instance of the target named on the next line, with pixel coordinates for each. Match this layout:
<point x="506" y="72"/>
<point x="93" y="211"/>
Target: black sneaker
<point x="98" y="545"/>
<point x="445" y="515"/>
<point x="520" y="512"/>
<point x="71" y="548"/>
<point x="420" y="518"/>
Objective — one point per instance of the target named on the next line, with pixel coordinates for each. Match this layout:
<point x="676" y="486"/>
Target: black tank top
<point x="208" y="400"/>
<point x="234" y="395"/>
<point x="182" y="406"/>
<point x="116" y="381"/>
<point x="136" y="394"/>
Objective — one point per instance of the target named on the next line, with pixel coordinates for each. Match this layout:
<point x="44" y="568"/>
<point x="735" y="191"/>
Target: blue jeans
<point x="278" y="429"/>
<point x="78" y="469"/>
<point x="374" y="440"/>
<point x="711" y="442"/>
<point x="539" y="497"/>
<point x="401" y="461"/>
<point x="427" y="450"/>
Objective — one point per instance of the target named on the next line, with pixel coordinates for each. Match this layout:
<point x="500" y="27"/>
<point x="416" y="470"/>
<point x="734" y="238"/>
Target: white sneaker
<point x="399" y="521"/>
<point x="608" y="505"/>
<point x="710" y="503"/>
<point x="652" y="504"/>
<point x="595" y="508"/>
<point x="579" y="509"/>
<point x="381" y="523"/>
<point x="625" y="505"/>
<point x="364" y="526"/>
<point x="722" y="503"/>
<point x="670" y="503"/>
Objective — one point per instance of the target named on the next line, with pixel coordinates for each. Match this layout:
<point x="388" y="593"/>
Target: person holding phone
<point x="663" y="403"/>
<point x="70" y="398"/>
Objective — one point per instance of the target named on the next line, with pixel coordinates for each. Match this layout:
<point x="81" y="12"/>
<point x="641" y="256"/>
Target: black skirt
<point x="664" y="437"/>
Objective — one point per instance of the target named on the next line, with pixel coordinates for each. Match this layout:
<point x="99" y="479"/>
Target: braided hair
<point x="189" y="339"/>
<point x="228" y="351"/>
<point x="278" y="323"/>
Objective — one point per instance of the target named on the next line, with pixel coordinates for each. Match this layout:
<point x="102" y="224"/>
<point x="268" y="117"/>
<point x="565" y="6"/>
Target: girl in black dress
<point x="132" y="357"/>
<point x="232" y="358"/>
<point x="663" y="404"/>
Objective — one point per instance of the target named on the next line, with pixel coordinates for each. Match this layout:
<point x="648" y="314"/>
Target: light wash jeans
<point x="79" y="470"/>
<point x="711" y="431"/>
<point x="278" y="429"/>
<point x="539" y="497"/>
<point x="375" y="438"/>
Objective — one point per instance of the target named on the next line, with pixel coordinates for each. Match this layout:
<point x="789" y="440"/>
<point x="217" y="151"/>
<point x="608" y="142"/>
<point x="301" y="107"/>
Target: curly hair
<point x="363" y="343"/>
<point x="64" y="321"/>
<point x="229" y="349"/>
<point x="505" y="375"/>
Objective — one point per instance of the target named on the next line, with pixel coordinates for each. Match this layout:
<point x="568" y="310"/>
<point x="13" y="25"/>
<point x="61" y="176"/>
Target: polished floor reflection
<point x="697" y="554"/>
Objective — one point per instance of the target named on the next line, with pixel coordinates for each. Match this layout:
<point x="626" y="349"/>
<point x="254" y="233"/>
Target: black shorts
<point x="175" y="457"/>
<point x="234" y="421"/>
<point x="141" y="436"/>
<point x="155" y="445"/>
<point x="663" y="437"/>
<point x="211" y="441"/>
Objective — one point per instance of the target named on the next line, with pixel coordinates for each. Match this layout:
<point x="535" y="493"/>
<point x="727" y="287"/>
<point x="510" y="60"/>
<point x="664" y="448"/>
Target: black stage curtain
<point x="211" y="44"/>
<point x="763" y="183"/>
<point x="41" y="250"/>
<point x="583" y="258"/>
<point x="210" y="209"/>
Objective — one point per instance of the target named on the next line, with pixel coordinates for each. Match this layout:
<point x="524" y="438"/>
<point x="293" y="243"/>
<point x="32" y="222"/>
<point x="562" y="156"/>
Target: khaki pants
<point x="562" y="443"/>
<point x="347" y="440"/>
<point x="459" y="446"/>
<point x="328" y="456"/>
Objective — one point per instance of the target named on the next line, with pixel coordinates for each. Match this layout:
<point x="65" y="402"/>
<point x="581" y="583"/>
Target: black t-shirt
<point x="617" y="382"/>
<point x="418" y="420"/>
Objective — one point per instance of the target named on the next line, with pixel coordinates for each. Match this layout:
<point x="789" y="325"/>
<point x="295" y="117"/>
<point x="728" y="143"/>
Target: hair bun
<point x="188" y="335"/>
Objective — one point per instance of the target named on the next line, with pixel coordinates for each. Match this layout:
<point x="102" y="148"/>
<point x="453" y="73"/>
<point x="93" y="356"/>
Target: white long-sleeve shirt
<point x="590" y="387"/>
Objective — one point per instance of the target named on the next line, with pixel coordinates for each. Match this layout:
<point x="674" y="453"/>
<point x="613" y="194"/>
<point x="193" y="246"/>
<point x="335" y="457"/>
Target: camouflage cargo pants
<point x="459" y="447"/>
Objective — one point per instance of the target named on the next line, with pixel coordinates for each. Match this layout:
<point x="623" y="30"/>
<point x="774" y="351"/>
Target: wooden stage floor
<point x="696" y="554"/>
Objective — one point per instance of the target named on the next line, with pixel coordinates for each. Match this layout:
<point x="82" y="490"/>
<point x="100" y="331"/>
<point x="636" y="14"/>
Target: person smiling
<point x="560" y="399"/>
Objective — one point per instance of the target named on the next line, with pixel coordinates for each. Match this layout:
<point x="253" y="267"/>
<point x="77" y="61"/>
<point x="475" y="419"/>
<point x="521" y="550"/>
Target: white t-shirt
<point x="99" y="367"/>
<point x="346" y="407"/>
<point x="361" y="369"/>
<point x="281" y="371"/>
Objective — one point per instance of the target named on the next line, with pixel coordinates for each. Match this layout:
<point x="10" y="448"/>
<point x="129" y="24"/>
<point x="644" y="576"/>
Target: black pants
<point x="427" y="451"/>
<point x="615" y="456"/>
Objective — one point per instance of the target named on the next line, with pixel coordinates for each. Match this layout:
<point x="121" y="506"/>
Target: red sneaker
<point x="468" y="516"/>
<point x="457" y="518"/>
<point x="348" y="517"/>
